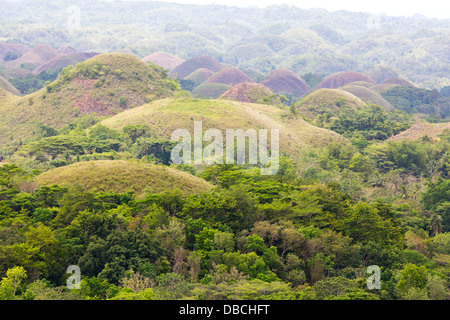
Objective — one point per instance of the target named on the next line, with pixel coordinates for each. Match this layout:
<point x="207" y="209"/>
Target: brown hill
<point x="253" y="93"/>
<point x="285" y="81"/>
<point x="8" y="86"/>
<point x="36" y="56"/>
<point x="189" y="66"/>
<point x="400" y="81"/>
<point x="340" y="79"/>
<point x="64" y="61"/>
<point x="16" y="48"/>
<point x="230" y="76"/>
<point x="420" y="130"/>
<point x="164" y="59"/>
<point x="66" y="50"/>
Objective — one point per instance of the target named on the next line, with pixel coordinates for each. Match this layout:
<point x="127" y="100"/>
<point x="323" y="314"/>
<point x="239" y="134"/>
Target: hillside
<point x="189" y="66"/>
<point x="17" y="49"/>
<point x="124" y="176"/>
<point x="253" y="93"/>
<point x="165" y="116"/>
<point x="230" y="77"/>
<point x="399" y="81"/>
<point x="420" y="130"/>
<point x="64" y="60"/>
<point x="367" y="95"/>
<point x="164" y="59"/>
<point x="285" y="81"/>
<point x="327" y="100"/>
<point x="199" y="76"/>
<point x="340" y="79"/>
<point x="210" y="90"/>
<point x="105" y="84"/>
<point x="8" y="86"/>
<point x="35" y="57"/>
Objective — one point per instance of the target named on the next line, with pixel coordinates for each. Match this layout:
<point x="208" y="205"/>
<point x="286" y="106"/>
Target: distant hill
<point x="8" y="86"/>
<point x="17" y="49"/>
<point x="105" y="85"/>
<point x="210" y="90"/>
<point x="64" y="60"/>
<point x="230" y="76"/>
<point x="199" y="76"/>
<point x="368" y="95"/>
<point x="164" y="59"/>
<point x="35" y="57"/>
<point x="340" y="79"/>
<point x="327" y="101"/>
<point x="285" y="81"/>
<point x="124" y="176"/>
<point x="420" y="130"/>
<point x="189" y="66"/>
<point x="252" y="92"/>
<point x="399" y="81"/>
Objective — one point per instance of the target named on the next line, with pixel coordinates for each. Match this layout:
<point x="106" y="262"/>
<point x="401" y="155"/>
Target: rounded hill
<point x="368" y="95"/>
<point x="285" y="81"/>
<point x="340" y="79"/>
<point x="35" y="57"/>
<point x="189" y="66"/>
<point x="124" y="176"/>
<point x="400" y="81"/>
<point x="210" y="90"/>
<point x="164" y="59"/>
<point x="64" y="60"/>
<point x="253" y="93"/>
<point x="230" y="76"/>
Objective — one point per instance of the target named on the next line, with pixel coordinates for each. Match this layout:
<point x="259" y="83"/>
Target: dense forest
<point x="87" y="177"/>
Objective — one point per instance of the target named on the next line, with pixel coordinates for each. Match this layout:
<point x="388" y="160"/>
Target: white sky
<point x="429" y="8"/>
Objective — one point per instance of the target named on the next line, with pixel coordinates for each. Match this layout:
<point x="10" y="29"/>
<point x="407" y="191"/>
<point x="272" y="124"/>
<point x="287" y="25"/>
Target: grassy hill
<point x="284" y="81"/>
<point x="420" y="130"/>
<point x="210" y="90"/>
<point x="252" y="92"/>
<point x="165" y="116"/>
<point x="164" y="59"/>
<point x="35" y="57"/>
<point x="327" y="100"/>
<point x="124" y="176"/>
<point x="64" y="60"/>
<point x="368" y="96"/>
<point x="230" y="76"/>
<point x="105" y="84"/>
<point x="199" y="76"/>
<point x="340" y="79"/>
<point x="8" y="86"/>
<point x="189" y="66"/>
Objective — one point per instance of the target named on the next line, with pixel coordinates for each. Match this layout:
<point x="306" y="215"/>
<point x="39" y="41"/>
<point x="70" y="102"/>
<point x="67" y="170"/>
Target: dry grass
<point x="124" y="176"/>
<point x="420" y="130"/>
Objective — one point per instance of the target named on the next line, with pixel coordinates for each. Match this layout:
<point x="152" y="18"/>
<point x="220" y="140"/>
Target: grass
<point x="124" y="176"/>
<point x="165" y="116"/>
<point x="368" y="95"/>
<point x="422" y="129"/>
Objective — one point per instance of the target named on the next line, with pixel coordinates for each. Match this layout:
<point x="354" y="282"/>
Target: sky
<point x="430" y="8"/>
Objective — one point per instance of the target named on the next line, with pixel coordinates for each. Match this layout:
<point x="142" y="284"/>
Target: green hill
<point x="124" y="176"/>
<point x="165" y="116"/>
<point x="8" y="86"/>
<point x="210" y="90"/>
<point x="327" y="101"/>
<point x="368" y="95"/>
<point x="105" y="85"/>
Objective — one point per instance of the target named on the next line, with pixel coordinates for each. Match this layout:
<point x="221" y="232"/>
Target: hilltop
<point x="124" y="176"/>
<point x="328" y="101"/>
<point x="164" y="59"/>
<point x="285" y="81"/>
<point x="104" y="85"/>
<point x="230" y="77"/>
<point x="253" y="93"/>
<point x="189" y="66"/>
<point x="210" y="90"/>
<point x="34" y="57"/>
<point x="64" y="60"/>
<point x="199" y="76"/>
<point x="340" y="79"/>
<point x="368" y="95"/>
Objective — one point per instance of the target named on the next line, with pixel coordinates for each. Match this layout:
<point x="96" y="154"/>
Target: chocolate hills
<point x="8" y="86"/>
<point x="164" y="59"/>
<point x="285" y="81"/>
<point x="340" y="79"/>
<point x="189" y="66"/>
<point x="34" y="57"/>
<point x="210" y="90"/>
<point x="124" y="176"/>
<point x="12" y="48"/>
<point x="253" y="93"/>
<point x="199" y="76"/>
<point x="230" y="76"/>
<point x="400" y="81"/>
<point x="368" y="95"/>
<point x="64" y="60"/>
<point x="104" y="85"/>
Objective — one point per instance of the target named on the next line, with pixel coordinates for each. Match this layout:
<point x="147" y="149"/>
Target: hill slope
<point x="8" y="86"/>
<point x="189" y="66"/>
<point x="253" y="93"/>
<point x="230" y="76"/>
<point x="105" y="84"/>
<point x="165" y="116"/>
<point x="164" y="59"/>
<point x="124" y="176"/>
<point x="340" y="79"/>
<point x="368" y="96"/>
<point x="420" y="130"/>
<point x="285" y="81"/>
